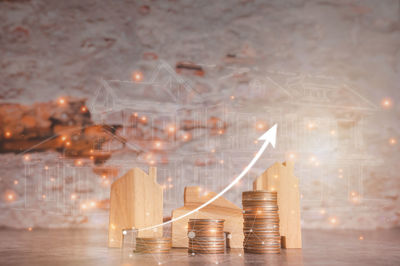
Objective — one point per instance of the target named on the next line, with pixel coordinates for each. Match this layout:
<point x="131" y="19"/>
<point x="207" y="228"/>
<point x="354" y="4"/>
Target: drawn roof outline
<point x="113" y="101"/>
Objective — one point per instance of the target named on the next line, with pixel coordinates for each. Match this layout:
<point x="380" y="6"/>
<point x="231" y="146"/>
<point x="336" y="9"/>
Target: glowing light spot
<point x="171" y="129"/>
<point x="113" y="227"/>
<point x="272" y="189"/>
<point x="171" y="186"/>
<point x="221" y="161"/>
<point x="260" y="125"/>
<point x="333" y="132"/>
<point x="152" y="162"/>
<point x="63" y="138"/>
<point x="73" y="196"/>
<point x="27" y="157"/>
<point x="213" y="150"/>
<point x="292" y="156"/>
<point x="43" y="196"/>
<point x="169" y="179"/>
<point x="276" y="176"/>
<point x="10" y="197"/>
<point x="361" y="237"/>
<point x="392" y="141"/>
<point x="186" y="137"/>
<point x="83" y="206"/>
<point x="61" y="101"/>
<point x="256" y="141"/>
<point x="83" y="109"/>
<point x="220" y="132"/>
<point x="143" y="118"/>
<point x="333" y="220"/>
<point x="7" y="134"/>
<point x="137" y="76"/>
<point x="157" y="144"/>
<point x="30" y="229"/>
<point x="46" y="167"/>
<point x="124" y="232"/>
<point x="386" y="103"/>
<point x="311" y="125"/>
<point x="340" y="176"/>
<point x="340" y="170"/>
<point x="92" y="204"/>
<point x="199" y="189"/>
<point x="322" y="211"/>
<point x="68" y="143"/>
<point x="313" y="159"/>
<point x="232" y="97"/>
<point x="16" y="182"/>
<point x="78" y="162"/>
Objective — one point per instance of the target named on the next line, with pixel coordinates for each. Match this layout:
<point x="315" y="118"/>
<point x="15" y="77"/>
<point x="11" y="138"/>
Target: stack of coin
<point x="153" y="245"/>
<point x="261" y="222"/>
<point x="206" y="236"/>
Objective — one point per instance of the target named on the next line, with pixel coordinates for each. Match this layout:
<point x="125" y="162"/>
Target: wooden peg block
<point x="279" y="177"/>
<point x="136" y="201"/>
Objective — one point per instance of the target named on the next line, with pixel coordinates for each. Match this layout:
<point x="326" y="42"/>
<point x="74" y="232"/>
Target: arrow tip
<point x="270" y="135"/>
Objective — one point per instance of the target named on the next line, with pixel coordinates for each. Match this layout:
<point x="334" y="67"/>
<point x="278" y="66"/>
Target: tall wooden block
<point x="219" y="209"/>
<point x="136" y="201"/>
<point x="279" y="177"/>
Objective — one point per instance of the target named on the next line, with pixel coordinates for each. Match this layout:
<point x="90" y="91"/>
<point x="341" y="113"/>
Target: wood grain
<point x="136" y="201"/>
<point x="219" y="209"/>
<point x="279" y="177"/>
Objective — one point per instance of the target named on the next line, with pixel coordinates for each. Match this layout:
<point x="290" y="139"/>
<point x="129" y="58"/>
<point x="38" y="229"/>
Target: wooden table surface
<point x="89" y="247"/>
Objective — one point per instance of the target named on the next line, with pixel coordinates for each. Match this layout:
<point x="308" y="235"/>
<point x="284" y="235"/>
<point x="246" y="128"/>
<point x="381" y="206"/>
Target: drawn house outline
<point x="162" y="80"/>
<point x="307" y="90"/>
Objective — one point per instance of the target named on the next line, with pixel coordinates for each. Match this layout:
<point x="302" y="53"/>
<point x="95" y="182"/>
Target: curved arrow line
<point x="269" y="137"/>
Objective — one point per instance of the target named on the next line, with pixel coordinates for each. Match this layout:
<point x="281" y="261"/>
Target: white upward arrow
<point x="268" y="137"/>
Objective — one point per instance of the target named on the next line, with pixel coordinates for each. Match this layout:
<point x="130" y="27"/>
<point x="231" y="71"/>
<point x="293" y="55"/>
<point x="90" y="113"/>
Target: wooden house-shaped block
<point x="136" y="201"/>
<point x="279" y="177"/>
<point x="221" y="208"/>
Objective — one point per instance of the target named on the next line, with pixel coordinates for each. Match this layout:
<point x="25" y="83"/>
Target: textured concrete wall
<point x="320" y="69"/>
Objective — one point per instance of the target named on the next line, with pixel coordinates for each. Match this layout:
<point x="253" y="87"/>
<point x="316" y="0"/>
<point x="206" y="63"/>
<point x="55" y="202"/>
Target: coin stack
<point x="206" y="236"/>
<point x="261" y="222"/>
<point x="153" y="245"/>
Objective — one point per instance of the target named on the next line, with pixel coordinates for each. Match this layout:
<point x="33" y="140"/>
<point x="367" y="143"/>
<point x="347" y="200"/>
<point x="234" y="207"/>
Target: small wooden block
<point x="279" y="177"/>
<point x="221" y="208"/>
<point x="136" y="201"/>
